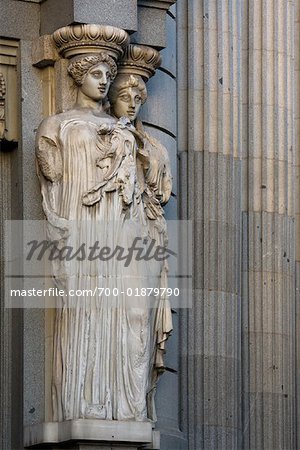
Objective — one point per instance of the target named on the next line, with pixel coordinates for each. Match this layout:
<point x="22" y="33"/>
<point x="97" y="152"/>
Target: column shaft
<point x="214" y="204"/>
<point x="269" y="287"/>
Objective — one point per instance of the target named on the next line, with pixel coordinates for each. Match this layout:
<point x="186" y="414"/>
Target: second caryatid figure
<point x="104" y="180"/>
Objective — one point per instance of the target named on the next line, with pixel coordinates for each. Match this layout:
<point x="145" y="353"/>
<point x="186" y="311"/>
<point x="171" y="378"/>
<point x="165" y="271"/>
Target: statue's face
<point x="96" y="82"/>
<point x="128" y="103"/>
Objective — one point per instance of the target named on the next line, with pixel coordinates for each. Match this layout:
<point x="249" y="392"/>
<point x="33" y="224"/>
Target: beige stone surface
<point x="65" y="92"/>
<point x="89" y="430"/>
<point x="44" y="52"/>
<point x="8" y="68"/>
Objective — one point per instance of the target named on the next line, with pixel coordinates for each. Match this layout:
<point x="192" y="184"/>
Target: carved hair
<point x="81" y="65"/>
<point x="123" y="82"/>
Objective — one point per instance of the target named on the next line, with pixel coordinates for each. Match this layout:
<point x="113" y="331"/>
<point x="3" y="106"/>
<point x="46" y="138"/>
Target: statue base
<point x="90" y="434"/>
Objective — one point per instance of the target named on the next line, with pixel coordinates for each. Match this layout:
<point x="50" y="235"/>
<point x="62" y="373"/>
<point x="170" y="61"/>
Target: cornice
<point x="158" y="4"/>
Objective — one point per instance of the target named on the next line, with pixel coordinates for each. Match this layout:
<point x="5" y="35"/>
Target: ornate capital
<point x="139" y="60"/>
<point x="2" y="106"/>
<point x="79" y="39"/>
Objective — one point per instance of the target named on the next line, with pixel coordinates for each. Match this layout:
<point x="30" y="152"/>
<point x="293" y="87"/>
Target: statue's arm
<point x="156" y="163"/>
<point x="159" y="175"/>
<point x="48" y="153"/>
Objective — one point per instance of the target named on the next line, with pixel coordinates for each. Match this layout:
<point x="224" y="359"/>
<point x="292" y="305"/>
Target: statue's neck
<point x="83" y="101"/>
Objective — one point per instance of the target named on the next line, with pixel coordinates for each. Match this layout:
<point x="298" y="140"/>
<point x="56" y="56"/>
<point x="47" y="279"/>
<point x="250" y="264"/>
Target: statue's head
<point x="93" y="74"/>
<point x="126" y="96"/>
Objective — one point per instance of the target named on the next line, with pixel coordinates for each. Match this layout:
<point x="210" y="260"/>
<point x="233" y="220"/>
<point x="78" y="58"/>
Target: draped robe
<point x="105" y="347"/>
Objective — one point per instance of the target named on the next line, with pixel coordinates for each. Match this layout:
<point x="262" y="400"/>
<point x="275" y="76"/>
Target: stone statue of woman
<point x="92" y="199"/>
<point x="126" y="95"/>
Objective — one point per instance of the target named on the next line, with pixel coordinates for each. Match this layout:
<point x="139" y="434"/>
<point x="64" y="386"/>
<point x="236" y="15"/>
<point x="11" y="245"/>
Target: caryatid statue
<point x="106" y="346"/>
<point x="127" y="94"/>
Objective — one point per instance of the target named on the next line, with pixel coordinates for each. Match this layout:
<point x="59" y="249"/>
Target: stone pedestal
<point x="83" y="434"/>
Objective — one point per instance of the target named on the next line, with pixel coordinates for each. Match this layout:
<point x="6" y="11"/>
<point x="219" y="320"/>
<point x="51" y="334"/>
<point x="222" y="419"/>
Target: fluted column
<point x="213" y="192"/>
<point x="269" y="288"/>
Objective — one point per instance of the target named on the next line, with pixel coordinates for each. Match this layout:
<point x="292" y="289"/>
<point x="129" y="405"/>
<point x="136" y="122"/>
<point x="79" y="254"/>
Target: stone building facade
<point x="225" y="103"/>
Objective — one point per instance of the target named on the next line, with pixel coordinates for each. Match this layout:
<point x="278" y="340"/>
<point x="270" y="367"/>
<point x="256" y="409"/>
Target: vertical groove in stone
<point x="5" y="314"/>
<point x="195" y="112"/>
<point x="270" y="409"/>
<point x="195" y="78"/>
<point x="186" y="359"/>
<point x="182" y="75"/>
<point x="209" y="18"/>
<point x="246" y="113"/>
<point x="296" y="53"/>
<point x="244" y="81"/>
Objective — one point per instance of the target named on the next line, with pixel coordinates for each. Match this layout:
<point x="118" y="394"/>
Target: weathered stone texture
<point x="31" y="108"/>
<point x="270" y="279"/>
<point x="151" y="28"/>
<point x="44" y="52"/>
<point x="19" y="20"/>
<point x="161" y="98"/>
<point x="56" y="14"/>
<point x="168" y="54"/>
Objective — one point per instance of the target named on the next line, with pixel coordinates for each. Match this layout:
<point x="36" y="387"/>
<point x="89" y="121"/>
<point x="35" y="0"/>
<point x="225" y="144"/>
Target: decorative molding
<point x="159" y="4"/>
<point x="79" y="39"/>
<point x="32" y="1"/>
<point x="9" y="122"/>
<point x="140" y="60"/>
<point x="2" y="106"/>
<point x="8" y="52"/>
<point x="44" y="52"/>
